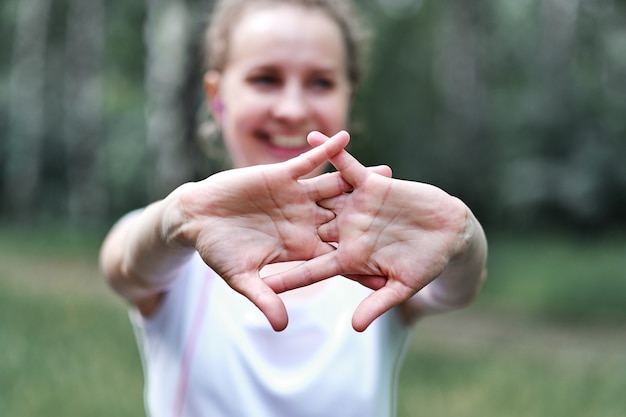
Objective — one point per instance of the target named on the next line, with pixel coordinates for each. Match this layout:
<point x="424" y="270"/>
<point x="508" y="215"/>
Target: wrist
<point x="176" y="228"/>
<point x="461" y="280"/>
<point x="473" y="242"/>
<point x="469" y="238"/>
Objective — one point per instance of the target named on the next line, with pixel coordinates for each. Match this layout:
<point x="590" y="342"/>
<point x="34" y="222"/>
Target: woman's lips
<point x="288" y="141"/>
<point x="286" y="146"/>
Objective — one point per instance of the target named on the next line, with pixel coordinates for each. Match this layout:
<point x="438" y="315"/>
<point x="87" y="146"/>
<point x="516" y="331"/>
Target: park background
<point x="516" y="106"/>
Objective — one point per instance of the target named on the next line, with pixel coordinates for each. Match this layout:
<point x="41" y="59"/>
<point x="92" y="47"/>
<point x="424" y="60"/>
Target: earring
<point x="217" y="105"/>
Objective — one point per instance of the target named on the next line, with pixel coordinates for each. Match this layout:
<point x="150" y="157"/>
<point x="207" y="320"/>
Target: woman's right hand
<point x="243" y="219"/>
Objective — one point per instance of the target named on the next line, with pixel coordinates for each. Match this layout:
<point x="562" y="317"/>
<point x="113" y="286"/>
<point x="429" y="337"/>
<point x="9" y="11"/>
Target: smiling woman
<point x="285" y="74"/>
<point x="285" y="236"/>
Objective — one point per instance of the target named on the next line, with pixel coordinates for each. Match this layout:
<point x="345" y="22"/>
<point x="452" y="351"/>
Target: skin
<point x="267" y="212"/>
<point x="409" y="233"/>
<point x="285" y="76"/>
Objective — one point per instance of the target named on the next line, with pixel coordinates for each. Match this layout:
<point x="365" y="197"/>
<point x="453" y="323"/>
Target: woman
<point x="280" y="69"/>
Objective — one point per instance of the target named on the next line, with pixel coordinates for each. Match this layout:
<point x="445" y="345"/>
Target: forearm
<point x="460" y="282"/>
<point x="140" y="256"/>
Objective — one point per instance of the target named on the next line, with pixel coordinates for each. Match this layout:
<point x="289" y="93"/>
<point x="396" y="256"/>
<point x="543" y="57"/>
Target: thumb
<point x="316" y="138"/>
<point x="264" y="298"/>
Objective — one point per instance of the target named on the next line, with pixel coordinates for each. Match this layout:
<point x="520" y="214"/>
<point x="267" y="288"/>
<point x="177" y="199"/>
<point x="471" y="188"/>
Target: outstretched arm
<point x="408" y="232"/>
<point x="238" y="220"/>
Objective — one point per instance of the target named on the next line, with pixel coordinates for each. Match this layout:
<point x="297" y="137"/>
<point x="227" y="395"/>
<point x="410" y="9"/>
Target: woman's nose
<point x="291" y="104"/>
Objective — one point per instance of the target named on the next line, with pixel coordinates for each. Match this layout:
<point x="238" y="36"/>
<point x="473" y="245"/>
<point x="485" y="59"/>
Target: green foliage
<point x="515" y="106"/>
<point x="558" y="277"/>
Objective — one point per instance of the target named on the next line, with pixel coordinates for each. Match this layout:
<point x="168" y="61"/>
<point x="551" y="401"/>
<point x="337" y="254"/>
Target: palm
<point x="390" y="228"/>
<point x="241" y="220"/>
<point x="378" y="236"/>
<point x="261" y="225"/>
<point x="393" y="236"/>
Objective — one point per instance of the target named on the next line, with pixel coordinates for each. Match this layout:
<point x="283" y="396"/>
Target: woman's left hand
<point x="393" y="236"/>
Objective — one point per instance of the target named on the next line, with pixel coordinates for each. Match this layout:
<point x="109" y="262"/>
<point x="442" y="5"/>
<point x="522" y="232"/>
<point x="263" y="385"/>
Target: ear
<point x="211" y="91"/>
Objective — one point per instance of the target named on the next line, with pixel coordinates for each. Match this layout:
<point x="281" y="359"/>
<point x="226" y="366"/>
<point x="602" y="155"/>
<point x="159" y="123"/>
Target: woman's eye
<point x="322" y="83"/>
<point x="264" y="80"/>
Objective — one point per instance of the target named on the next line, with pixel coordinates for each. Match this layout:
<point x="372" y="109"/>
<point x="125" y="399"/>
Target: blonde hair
<point x="228" y="12"/>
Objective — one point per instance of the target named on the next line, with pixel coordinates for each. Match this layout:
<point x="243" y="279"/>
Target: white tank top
<point x="210" y="352"/>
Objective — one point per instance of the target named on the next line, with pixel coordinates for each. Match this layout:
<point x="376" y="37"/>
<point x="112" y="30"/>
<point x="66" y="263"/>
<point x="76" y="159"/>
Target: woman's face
<point x="285" y="75"/>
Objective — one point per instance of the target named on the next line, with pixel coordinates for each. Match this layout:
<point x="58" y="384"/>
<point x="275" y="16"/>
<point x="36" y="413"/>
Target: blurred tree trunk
<point x="83" y="124"/>
<point x="167" y="38"/>
<point x="173" y="90"/>
<point x="26" y="107"/>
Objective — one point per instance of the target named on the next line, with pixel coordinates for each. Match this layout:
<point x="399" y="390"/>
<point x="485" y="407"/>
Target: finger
<point x="383" y="170"/>
<point x="323" y="215"/>
<point x="377" y="303"/>
<point x="322" y="248"/>
<point x="332" y="184"/>
<point x="316" y="138"/>
<point x="325" y="186"/>
<point x="335" y="203"/>
<point x="329" y="232"/>
<point x="306" y="273"/>
<point x="350" y="168"/>
<point x="314" y="249"/>
<point x="373" y="282"/>
<point x="262" y="296"/>
<point x="308" y="161"/>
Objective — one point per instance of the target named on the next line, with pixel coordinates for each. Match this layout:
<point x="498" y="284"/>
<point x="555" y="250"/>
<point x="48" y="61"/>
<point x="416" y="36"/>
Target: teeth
<point x="288" y="141"/>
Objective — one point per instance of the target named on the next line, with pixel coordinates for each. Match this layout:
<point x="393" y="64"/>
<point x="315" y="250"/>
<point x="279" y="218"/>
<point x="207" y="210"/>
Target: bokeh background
<point x="516" y="106"/>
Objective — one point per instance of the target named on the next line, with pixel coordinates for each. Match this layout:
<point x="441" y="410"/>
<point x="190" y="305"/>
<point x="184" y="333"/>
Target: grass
<point x="67" y="348"/>
<point x="559" y="277"/>
<point x="477" y="364"/>
<point x="546" y="337"/>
